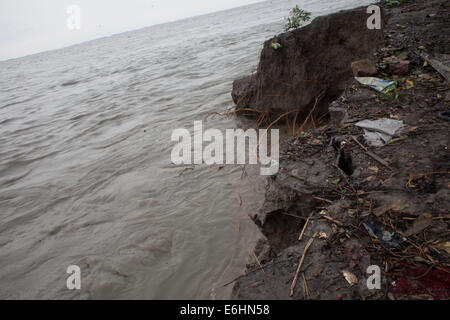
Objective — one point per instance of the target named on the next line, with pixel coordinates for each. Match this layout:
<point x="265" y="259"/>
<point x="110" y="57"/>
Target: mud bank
<point x="339" y="204"/>
<point x="314" y="61"/>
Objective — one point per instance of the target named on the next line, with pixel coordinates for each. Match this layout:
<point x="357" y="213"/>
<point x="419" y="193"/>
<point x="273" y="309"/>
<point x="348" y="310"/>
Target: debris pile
<point x="370" y="190"/>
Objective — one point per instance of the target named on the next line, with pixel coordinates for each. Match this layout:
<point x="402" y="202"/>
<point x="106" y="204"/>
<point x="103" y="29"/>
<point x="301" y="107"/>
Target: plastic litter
<point x="379" y="132"/>
<point x="409" y="84"/>
<point x="389" y="239"/>
<point x="276" y="46"/>
<point x="378" y="84"/>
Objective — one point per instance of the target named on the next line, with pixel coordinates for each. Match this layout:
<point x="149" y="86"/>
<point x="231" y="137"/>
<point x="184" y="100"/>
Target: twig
<point x="294" y="282"/>
<point x="397" y="140"/>
<point x="255" y="150"/>
<point x="332" y="220"/>
<point x="305" y="286"/>
<point x="377" y="158"/>
<point x="322" y="199"/>
<point x="304" y="228"/>
<point x="293" y="215"/>
<point x="265" y="276"/>
<point x="302" y="127"/>
<point x="371" y="154"/>
<point x="297" y="177"/>
<point x="253" y="271"/>
<point x="359" y="143"/>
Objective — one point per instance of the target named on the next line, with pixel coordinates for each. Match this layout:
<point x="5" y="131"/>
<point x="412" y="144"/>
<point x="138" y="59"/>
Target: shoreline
<point x="340" y="205"/>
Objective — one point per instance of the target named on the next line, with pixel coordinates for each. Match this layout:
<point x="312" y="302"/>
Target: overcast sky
<point x="31" y="26"/>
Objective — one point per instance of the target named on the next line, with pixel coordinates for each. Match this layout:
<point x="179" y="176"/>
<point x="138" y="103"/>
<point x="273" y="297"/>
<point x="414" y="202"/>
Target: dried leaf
<point x="395" y="205"/>
<point x="350" y="277"/>
<point x="322" y="235"/>
<point x="374" y="169"/>
<point x="403" y="55"/>
<point x="409" y="84"/>
<point x="419" y="224"/>
<point x="444" y="246"/>
<point x="352" y="212"/>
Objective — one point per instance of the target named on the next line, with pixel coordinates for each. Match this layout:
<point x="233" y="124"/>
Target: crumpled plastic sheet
<point x="377" y="83"/>
<point x="379" y="132"/>
<point x="389" y="239"/>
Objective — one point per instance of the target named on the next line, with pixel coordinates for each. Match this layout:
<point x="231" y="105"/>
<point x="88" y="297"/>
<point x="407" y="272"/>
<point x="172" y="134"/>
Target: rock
<point x="364" y="68"/>
<point x="440" y="62"/>
<point x="400" y="68"/>
<point x="338" y="115"/>
<point x="314" y="60"/>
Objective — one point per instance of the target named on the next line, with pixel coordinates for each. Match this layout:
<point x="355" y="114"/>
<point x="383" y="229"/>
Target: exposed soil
<point x="386" y="206"/>
<point x="314" y="60"/>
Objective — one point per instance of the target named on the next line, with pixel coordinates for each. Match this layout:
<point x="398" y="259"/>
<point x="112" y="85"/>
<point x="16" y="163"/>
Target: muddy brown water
<point x="85" y="169"/>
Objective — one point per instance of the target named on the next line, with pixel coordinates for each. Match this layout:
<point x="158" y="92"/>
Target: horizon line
<point x="129" y="31"/>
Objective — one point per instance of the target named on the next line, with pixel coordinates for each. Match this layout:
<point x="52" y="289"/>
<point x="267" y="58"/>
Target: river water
<point x="85" y="171"/>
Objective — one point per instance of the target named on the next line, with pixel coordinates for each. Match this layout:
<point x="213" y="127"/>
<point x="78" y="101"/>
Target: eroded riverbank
<point x="340" y="205"/>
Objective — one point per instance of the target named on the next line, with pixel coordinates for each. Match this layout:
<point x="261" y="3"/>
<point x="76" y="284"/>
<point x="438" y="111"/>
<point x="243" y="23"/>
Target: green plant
<point x="392" y="97"/>
<point x="297" y="18"/>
